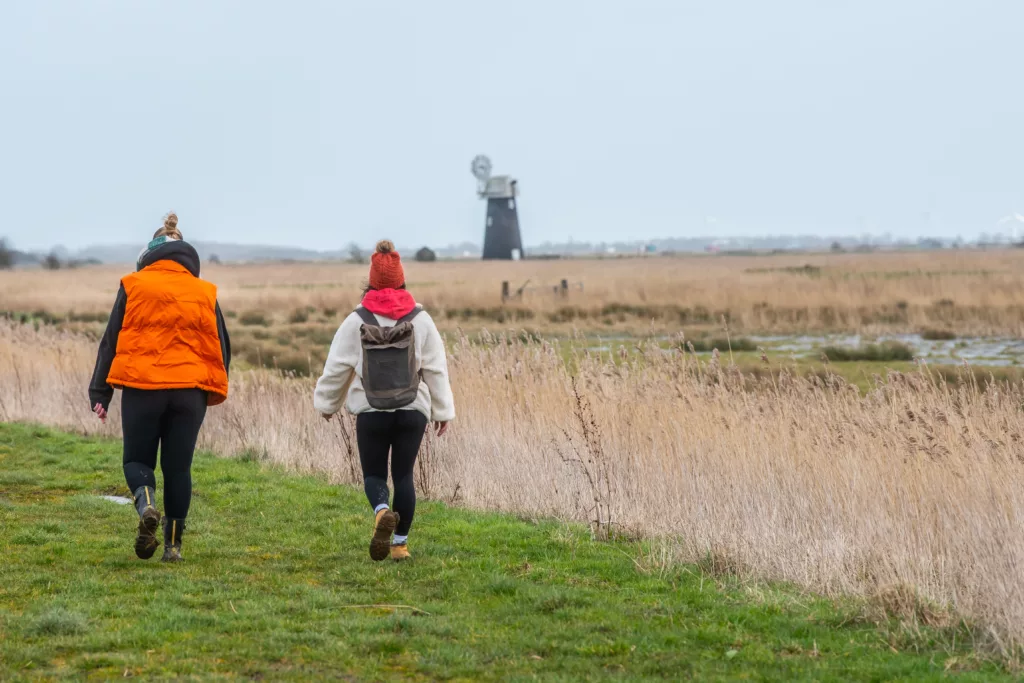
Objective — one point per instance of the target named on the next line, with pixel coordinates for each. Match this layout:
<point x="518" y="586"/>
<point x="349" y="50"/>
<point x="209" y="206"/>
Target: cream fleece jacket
<point x="343" y="371"/>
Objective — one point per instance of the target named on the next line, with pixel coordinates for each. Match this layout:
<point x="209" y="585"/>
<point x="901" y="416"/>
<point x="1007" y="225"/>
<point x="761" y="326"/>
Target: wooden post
<point x="505" y="290"/>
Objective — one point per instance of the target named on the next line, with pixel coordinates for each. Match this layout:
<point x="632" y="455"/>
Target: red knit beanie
<point x="386" y="270"/>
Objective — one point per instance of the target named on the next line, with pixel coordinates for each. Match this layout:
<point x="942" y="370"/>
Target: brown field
<point x="285" y="315"/>
<point x="972" y="293"/>
<point x="910" y="493"/>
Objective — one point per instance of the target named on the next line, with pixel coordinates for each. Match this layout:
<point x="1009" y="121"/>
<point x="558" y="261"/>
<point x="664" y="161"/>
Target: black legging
<point x="401" y="433"/>
<point x="170" y="419"/>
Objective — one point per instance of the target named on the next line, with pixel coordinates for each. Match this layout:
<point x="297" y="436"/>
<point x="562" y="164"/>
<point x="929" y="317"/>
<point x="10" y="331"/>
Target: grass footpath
<point x="277" y="585"/>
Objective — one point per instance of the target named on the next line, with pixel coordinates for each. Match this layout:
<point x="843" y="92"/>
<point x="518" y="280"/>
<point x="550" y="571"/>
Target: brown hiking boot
<point x="173" y="529"/>
<point x="383" y="526"/>
<point x="400" y="553"/>
<point x="146" y="541"/>
<point x="172" y="554"/>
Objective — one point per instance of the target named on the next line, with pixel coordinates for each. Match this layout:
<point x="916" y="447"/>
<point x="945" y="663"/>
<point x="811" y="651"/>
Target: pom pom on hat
<point x="386" y="270"/>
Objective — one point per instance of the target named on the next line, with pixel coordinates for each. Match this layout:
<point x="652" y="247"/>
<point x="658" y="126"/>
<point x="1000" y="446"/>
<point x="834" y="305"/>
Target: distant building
<point x="426" y="255"/>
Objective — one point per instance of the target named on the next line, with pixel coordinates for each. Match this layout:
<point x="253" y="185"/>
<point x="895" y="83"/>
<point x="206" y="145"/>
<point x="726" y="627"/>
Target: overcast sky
<point x="320" y="123"/>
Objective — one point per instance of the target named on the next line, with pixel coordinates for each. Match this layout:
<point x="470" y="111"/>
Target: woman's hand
<point x="441" y="428"/>
<point x="101" y="412"/>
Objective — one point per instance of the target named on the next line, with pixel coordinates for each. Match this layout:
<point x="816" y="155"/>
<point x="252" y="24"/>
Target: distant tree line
<point x="10" y="257"/>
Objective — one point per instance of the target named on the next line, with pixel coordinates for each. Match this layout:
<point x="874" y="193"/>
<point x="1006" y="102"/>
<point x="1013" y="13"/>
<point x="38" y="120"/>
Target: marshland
<point x="850" y="425"/>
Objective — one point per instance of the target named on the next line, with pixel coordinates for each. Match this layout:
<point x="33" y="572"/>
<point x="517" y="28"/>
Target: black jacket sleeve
<point x="99" y="391"/>
<point x="225" y="340"/>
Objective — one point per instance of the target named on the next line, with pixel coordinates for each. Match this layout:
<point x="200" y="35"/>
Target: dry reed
<point x="970" y="292"/>
<point x="915" y="488"/>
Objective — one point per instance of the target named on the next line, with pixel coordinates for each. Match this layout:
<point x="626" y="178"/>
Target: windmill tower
<point x="502" y="240"/>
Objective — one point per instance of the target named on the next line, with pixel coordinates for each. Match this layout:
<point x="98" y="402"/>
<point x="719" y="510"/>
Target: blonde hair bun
<point x="385" y="247"/>
<point x="170" y="227"/>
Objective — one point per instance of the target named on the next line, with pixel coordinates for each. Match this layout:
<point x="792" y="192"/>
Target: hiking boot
<point x="383" y="526"/>
<point x="173" y="529"/>
<point x="146" y="542"/>
<point x="400" y="552"/>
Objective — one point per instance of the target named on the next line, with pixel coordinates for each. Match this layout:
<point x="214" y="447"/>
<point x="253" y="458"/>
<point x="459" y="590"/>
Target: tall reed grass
<point x="914" y="489"/>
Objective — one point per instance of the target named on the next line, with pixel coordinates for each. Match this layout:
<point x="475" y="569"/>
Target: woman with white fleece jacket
<point x="380" y="432"/>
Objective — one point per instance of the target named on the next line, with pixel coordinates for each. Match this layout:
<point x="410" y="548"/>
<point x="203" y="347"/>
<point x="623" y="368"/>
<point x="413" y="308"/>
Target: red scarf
<point x="390" y="303"/>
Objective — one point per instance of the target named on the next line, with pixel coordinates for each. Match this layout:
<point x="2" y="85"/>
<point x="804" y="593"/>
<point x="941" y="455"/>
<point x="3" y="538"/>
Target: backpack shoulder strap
<point x="407" y="318"/>
<point x="368" y="318"/>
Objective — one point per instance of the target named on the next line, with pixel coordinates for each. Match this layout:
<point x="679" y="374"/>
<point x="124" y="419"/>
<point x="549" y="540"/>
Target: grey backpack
<point x="391" y="377"/>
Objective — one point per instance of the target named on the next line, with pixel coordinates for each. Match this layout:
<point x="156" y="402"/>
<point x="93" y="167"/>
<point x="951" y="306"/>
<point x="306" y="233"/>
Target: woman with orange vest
<point x="167" y="348"/>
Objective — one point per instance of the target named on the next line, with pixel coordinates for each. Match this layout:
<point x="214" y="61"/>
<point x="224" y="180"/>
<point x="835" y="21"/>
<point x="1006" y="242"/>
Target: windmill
<point x="502" y="240"/>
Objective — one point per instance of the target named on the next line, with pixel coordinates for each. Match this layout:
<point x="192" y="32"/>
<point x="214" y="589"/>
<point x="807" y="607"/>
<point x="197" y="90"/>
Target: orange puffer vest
<point x="169" y="336"/>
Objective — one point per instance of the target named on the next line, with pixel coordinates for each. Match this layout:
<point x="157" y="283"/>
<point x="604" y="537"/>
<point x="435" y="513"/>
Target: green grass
<point x="885" y="352"/>
<point x="863" y="368"/>
<point x="723" y="344"/>
<point x="865" y="374"/>
<point x="277" y="585"/>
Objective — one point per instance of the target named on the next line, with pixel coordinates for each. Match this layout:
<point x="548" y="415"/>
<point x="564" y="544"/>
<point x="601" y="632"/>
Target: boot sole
<point x="146" y="541"/>
<point x="380" y="544"/>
